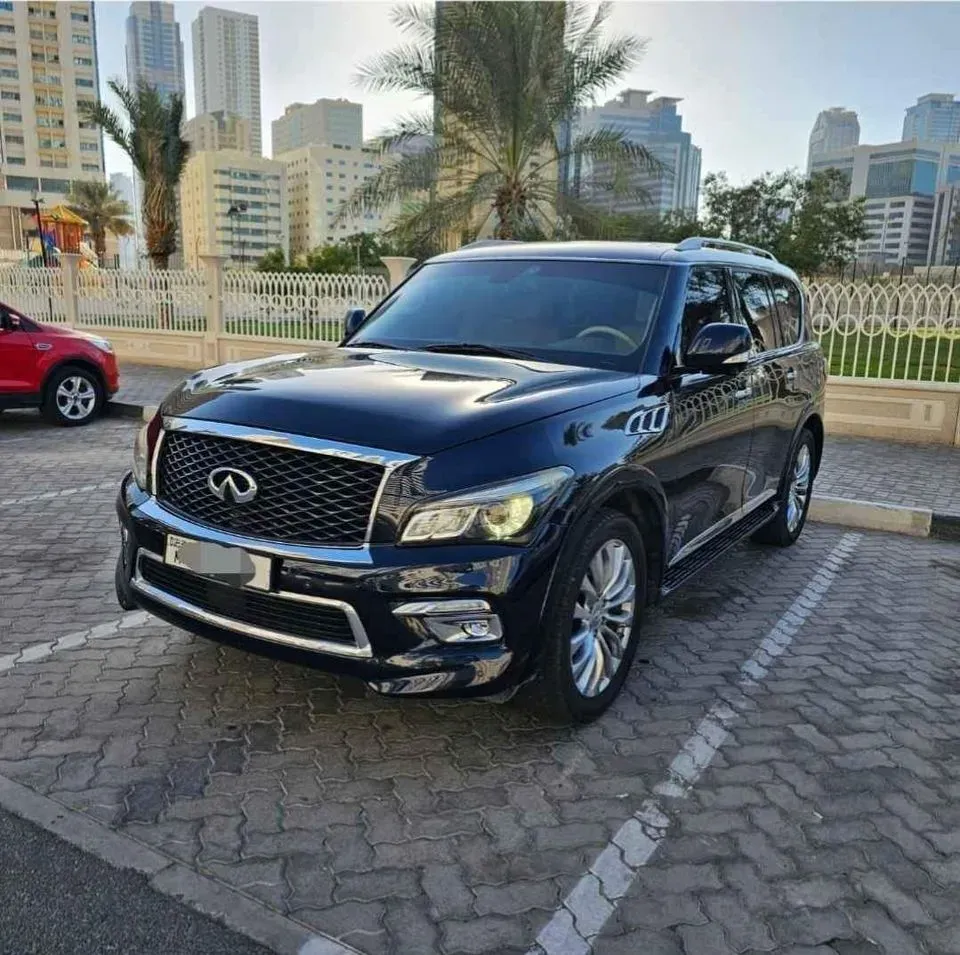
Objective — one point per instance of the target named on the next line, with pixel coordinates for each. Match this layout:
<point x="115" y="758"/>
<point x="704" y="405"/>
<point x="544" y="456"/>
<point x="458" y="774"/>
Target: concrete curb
<point x="129" y="409"/>
<point x="209" y="896"/>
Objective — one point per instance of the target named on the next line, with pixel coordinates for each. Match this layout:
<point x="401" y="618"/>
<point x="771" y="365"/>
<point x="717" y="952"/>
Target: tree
<point x="506" y="80"/>
<point x="103" y="209"/>
<point x="272" y="261"/>
<point x="807" y="222"/>
<point x="670" y="227"/>
<point x="149" y="133"/>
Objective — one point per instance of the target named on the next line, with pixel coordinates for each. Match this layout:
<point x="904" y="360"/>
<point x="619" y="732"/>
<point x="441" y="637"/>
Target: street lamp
<point x="36" y="199"/>
<point x="234" y="212"/>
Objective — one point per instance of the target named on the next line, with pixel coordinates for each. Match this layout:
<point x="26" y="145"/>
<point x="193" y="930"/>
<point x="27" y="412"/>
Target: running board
<point x="692" y="564"/>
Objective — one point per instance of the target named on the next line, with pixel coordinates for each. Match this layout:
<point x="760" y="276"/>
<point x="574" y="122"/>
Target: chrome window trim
<point x="153" y="510"/>
<point x="388" y="460"/>
<point x="362" y="649"/>
<point x="720" y="526"/>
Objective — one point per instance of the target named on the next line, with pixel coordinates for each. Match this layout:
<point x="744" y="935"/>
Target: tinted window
<point x="707" y="301"/>
<point x="756" y="305"/>
<point x="787" y="297"/>
<point x="581" y="313"/>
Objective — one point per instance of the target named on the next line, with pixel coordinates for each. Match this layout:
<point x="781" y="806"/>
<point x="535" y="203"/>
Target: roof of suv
<point x="661" y="252"/>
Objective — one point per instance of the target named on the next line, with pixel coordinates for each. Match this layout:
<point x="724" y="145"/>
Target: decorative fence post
<point x="397" y="268"/>
<point x="214" y="326"/>
<point x="70" y="264"/>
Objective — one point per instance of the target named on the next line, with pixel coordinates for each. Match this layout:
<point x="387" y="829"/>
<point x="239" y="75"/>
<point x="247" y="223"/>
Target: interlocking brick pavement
<point x="147" y="384"/>
<point x="827" y="823"/>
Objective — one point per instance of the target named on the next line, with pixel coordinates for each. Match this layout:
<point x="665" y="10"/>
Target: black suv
<point x="500" y="467"/>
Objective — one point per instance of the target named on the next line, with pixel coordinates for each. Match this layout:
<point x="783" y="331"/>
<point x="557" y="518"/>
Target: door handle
<point x="743" y="393"/>
<point x="43" y="346"/>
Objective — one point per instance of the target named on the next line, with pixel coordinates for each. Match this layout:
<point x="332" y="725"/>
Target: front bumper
<point x="362" y="588"/>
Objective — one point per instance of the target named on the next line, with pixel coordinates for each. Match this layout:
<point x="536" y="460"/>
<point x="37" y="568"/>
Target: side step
<point x="693" y="563"/>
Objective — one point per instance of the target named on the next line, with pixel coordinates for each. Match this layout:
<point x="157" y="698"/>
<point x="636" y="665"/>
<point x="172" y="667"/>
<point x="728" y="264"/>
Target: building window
<point x="82" y="81"/>
<point x="9" y="74"/>
<point x="14" y="140"/>
<point x="82" y="39"/>
<point x="16" y="160"/>
<point x="10" y="95"/>
<point x="89" y="147"/>
<point x="79" y="17"/>
<point x="90" y="167"/>
<point x="8" y="51"/>
<point x="12" y="117"/>
<point x="82" y="61"/>
<point x="9" y="7"/>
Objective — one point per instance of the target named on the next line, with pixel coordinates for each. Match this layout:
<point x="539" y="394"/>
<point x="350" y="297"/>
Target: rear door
<point x="18" y="357"/>
<point x="705" y="467"/>
<point x="768" y="381"/>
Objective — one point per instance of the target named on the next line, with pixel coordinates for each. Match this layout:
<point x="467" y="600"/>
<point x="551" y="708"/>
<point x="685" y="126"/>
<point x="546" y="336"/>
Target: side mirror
<point x="8" y="321"/>
<point x="353" y="320"/>
<point x="718" y="348"/>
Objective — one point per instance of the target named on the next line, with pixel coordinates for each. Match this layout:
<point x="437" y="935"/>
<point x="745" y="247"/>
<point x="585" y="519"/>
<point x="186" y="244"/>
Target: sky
<point x="752" y="75"/>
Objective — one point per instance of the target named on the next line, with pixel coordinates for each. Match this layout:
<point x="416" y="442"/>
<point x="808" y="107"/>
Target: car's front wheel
<point x="73" y="397"/>
<point x="592" y="618"/>
<point x="795" y="494"/>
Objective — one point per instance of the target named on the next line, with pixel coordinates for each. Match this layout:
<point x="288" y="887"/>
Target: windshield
<point x="596" y="314"/>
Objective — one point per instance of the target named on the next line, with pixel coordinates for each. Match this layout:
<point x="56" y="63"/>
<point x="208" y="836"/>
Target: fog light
<point x="452" y="621"/>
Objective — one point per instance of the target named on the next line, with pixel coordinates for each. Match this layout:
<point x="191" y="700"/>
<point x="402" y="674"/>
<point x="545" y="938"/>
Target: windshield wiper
<point x="471" y="348"/>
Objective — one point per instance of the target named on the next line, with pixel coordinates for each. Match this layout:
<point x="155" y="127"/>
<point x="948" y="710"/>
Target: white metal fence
<point x="902" y="333"/>
<point x="293" y="305"/>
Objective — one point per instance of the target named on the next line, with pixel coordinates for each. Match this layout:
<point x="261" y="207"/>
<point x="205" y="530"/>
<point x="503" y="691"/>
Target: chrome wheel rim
<point x="76" y="397"/>
<point x="799" y="489"/>
<point x="603" y="618"/>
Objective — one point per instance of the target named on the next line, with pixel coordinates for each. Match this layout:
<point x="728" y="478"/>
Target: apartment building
<point x="233" y="204"/>
<point x="154" y="49"/>
<point x="48" y="68"/>
<point x="325" y="121"/>
<point x="218" y="130"/>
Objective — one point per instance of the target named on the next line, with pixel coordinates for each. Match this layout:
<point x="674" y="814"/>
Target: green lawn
<point x="901" y="357"/>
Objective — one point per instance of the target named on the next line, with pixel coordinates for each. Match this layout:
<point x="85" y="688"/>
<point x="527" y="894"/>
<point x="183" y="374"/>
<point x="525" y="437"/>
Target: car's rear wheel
<point x="73" y="396"/>
<point x="592" y="619"/>
<point x="796" y="491"/>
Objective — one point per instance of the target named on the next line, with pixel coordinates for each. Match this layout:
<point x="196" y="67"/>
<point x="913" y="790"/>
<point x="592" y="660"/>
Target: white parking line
<point x="79" y="638"/>
<point x="65" y="492"/>
<point x="592" y="901"/>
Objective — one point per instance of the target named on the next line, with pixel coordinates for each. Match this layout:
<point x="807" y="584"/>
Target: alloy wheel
<point x="799" y="488"/>
<point x="603" y="617"/>
<point x="76" y="398"/>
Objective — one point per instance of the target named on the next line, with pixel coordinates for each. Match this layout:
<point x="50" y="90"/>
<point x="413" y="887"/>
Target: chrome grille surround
<point x="312" y="491"/>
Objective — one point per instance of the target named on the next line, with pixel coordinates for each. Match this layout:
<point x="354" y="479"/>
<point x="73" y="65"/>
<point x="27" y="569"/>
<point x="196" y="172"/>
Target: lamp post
<point x="234" y="212"/>
<point x="37" y="199"/>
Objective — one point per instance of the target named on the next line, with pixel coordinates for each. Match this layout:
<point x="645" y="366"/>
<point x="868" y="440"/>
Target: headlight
<point x="100" y="343"/>
<point x="492" y="513"/>
<point x="143" y="446"/>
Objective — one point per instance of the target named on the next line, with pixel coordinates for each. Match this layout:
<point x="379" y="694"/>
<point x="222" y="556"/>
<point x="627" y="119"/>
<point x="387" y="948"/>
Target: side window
<point x="707" y="301"/>
<point x="756" y="304"/>
<point x="789" y="308"/>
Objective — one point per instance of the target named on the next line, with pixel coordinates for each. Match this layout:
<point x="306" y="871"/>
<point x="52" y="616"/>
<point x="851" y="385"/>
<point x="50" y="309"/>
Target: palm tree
<point x="149" y="133"/>
<point x="507" y="80"/>
<point x="103" y="209"/>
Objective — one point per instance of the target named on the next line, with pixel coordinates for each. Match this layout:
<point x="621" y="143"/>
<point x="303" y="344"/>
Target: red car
<point x="69" y="375"/>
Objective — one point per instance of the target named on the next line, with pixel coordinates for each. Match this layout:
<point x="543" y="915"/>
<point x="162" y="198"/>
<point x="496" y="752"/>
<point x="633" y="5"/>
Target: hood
<point x="410" y="402"/>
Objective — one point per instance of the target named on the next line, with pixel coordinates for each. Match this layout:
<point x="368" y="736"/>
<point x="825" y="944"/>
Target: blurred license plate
<point x="231" y="565"/>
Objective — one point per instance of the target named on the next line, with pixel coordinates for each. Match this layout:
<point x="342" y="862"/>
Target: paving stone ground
<point x="828" y="824"/>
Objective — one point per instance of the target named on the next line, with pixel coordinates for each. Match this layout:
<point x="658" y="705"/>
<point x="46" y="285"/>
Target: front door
<point x="18" y="358"/>
<point x="704" y="471"/>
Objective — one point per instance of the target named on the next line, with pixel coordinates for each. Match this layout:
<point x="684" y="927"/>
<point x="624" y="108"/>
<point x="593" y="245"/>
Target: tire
<point x="791" y="517"/>
<point x="60" y="408"/>
<point x="557" y="690"/>
<point x="122" y="584"/>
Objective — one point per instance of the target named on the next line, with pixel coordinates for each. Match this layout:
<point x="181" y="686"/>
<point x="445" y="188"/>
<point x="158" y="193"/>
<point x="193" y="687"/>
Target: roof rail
<point x="708" y="242"/>
<point x="482" y="243"/>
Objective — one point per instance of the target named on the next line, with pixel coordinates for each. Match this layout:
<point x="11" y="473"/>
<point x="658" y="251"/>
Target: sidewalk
<point x="855" y="469"/>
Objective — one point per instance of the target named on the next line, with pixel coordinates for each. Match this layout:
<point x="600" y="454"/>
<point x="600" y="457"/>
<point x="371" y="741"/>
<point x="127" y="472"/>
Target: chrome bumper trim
<point x="362" y="650"/>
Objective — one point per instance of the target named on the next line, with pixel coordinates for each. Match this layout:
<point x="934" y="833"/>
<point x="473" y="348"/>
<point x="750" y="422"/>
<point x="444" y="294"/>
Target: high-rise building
<point x="122" y="185"/>
<point x="655" y="124"/>
<point x="154" y="48"/>
<point x="900" y="182"/>
<point x="226" y="67"/>
<point x="945" y="231"/>
<point x="319" y="179"/>
<point x="327" y="121"/>
<point x="232" y="204"/>
<point x="217" y="131"/>
<point x="934" y="118"/>
<point x="834" y="129"/>
<point x="48" y="67"/>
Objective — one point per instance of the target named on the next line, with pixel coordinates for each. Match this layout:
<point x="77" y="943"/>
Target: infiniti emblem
<point x="232" y="485"/>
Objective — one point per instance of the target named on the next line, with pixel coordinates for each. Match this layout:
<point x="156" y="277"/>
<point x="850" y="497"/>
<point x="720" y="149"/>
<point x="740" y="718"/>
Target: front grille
<point x="302" y="497"/>
<point x="279" y="614"/>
